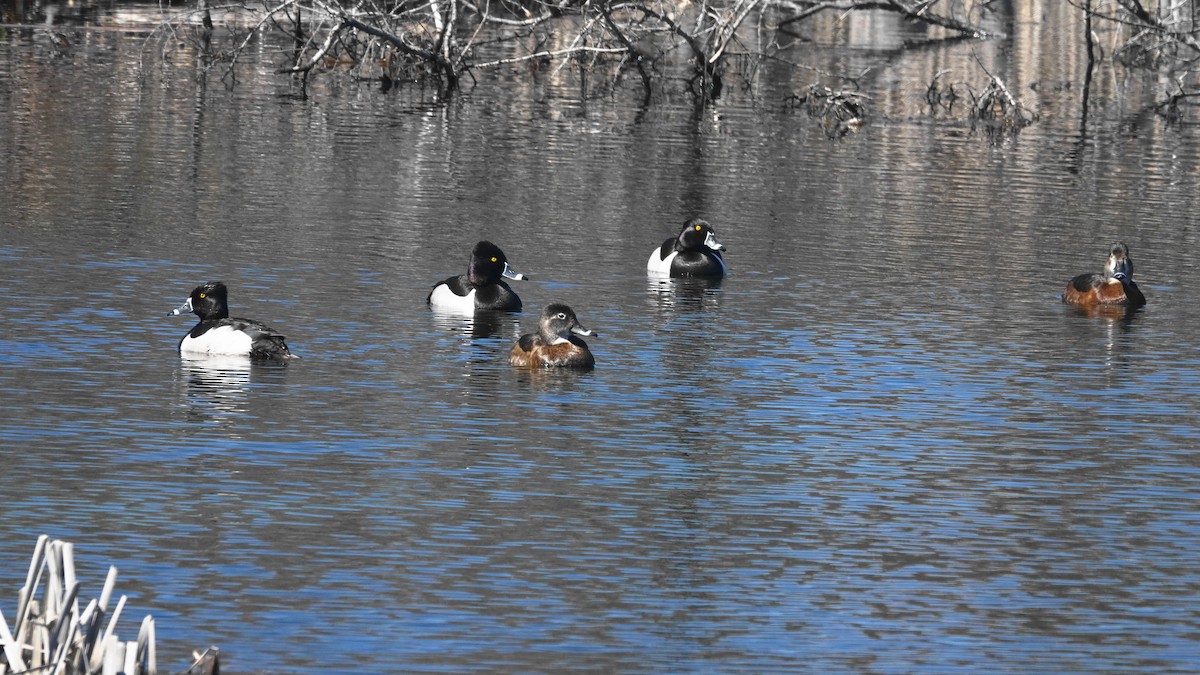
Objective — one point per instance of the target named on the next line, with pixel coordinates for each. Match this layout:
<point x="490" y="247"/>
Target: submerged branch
<point x="447" y="38"/>
<point x="269" y="16"/>
<point x="487" y="17"/>
<point x="1142" y="24"/>
<point x="606" y="12"/>
<point x="730" y="30"/>
<point x="317" y="56"/>
<point x="444" y="66"/>
<point x="549" y="55"/>
<point x="918" y="11"/>
<point x="997" y="106"/>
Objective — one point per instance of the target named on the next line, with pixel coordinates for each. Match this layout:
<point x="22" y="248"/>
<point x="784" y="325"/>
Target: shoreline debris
<point x="52" y="635"/>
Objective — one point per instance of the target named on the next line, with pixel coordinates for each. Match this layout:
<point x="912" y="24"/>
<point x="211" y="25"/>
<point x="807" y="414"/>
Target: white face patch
<point x="224" y="340"/>
<point x="445" y="299"/>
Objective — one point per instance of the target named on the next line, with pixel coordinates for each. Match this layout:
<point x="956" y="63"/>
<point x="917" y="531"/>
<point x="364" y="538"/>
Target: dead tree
<point x="445" y="41"/>
<point x="1165" y="37"/>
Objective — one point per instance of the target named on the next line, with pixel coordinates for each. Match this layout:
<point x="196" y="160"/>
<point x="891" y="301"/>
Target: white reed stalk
<point x="91" y="635"/>
<point x="66" y="619"/>
<point x="85" y="631"/>
<point x="27" y="591"/>
<point x="131" y="659"/>
<point x="147" y="656"/>
<point x="109" y="583"/>
<point x="114" y="656"/>
<point x="22" y="615"/>
<point x="12" y="650"/>
<point x="111" y="630"/>
<point x="66" y="641"/>
<point x="38" y="639"/>
<point x="54" y="582"/>
<point x="68" y="550"/>
<point x="96" y="654"/>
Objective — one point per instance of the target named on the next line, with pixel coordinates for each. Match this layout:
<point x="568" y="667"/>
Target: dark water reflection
<point x="880" y="445"/>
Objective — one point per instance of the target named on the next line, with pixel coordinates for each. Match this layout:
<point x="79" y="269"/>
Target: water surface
<point x="881" y="445"/>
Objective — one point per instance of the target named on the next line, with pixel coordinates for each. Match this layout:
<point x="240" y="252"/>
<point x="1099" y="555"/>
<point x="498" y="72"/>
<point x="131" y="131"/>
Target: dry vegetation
<point x="450" y="44"/>
<point x="54" y="633"/>
<point x="1164" y="37"/>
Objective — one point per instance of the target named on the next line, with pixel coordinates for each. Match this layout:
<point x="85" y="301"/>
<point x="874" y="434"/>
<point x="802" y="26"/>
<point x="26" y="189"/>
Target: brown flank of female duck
<point x="1114" y="286"/>
<point x="556" y="344"/>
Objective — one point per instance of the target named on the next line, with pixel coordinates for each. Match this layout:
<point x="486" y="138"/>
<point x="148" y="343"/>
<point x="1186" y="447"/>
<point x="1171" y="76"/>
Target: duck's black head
<point x="489" y="265"/>
<point x="696" y="235"/>
<point x="208" y="301"/>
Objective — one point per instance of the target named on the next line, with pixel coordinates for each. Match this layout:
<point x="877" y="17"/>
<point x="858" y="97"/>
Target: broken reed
<point x="51" y="634"/>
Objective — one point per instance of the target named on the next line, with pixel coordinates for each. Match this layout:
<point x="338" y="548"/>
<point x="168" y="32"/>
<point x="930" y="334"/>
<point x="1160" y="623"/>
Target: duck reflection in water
<point x="480" y="324"/>
<point x="687" y="295"/>
<point x="222" y="390"/>
<point x="1123" y="315"/>
<point x="217" y="386"/>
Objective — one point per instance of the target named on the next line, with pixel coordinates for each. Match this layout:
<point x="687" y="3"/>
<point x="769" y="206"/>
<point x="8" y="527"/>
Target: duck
<point x="482" y="287"/>
<point x="556" y="344"/>
<point x="218" y="334"/>
<point x="695" y="252"/>
<point x="1113" y="287"/>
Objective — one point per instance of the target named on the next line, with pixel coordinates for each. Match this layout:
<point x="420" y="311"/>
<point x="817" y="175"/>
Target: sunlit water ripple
<point x="881" y="445"/>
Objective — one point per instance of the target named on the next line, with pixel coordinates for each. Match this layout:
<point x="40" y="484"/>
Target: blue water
<point x="881" y="445"/>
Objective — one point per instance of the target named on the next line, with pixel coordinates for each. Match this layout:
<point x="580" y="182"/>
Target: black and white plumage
<point x="218" y="334"/>
<point x="695" y="252"/>
<point x="482" y="287"/>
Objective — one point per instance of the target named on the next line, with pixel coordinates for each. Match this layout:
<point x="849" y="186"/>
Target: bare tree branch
<point x="446" y="37"/>
<point x="550" y="55"/>
<point x="318" y="55"/>
<point x="606" y="12"/>
<point x="918" y="11"/>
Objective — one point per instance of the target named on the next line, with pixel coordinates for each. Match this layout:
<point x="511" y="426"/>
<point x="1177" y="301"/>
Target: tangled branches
<point x="994" y="107"/>
<point x="445" y="41"/>
<point x="1164" y="36"/>
<point x="1167" y="34"/>
<point x="997" y="107"/>
<point x="838" y="111"/>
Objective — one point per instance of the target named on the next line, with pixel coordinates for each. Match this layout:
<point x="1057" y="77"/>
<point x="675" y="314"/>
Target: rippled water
<point x="880" y="445"/>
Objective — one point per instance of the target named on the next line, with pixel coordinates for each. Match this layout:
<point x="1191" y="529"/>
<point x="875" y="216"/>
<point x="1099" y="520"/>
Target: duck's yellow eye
<point x="494" y="259"/>
<point x="698" y="228"/>
<point x="203" y="296"/>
